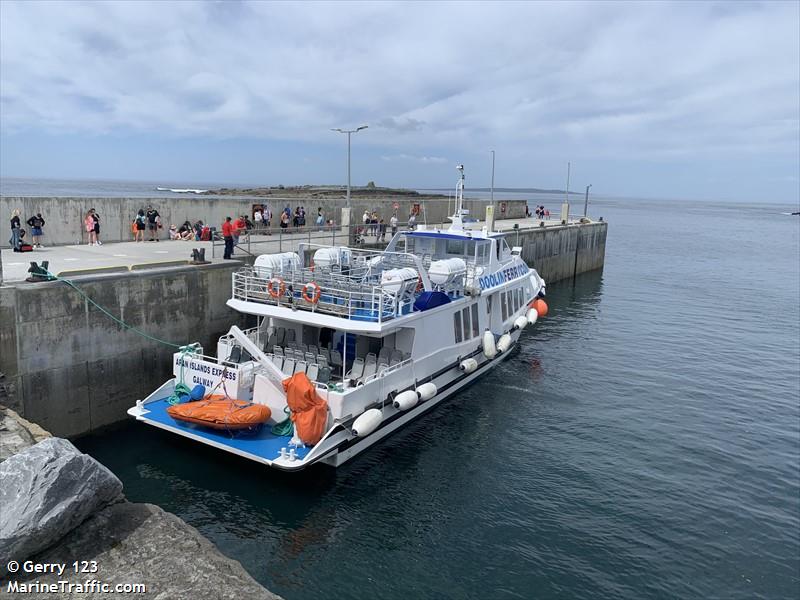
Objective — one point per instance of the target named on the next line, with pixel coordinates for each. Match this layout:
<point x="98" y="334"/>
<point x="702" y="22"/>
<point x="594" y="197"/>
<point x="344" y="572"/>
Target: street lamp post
<point x="349" y="132"/>
<point x="586" y="201"/>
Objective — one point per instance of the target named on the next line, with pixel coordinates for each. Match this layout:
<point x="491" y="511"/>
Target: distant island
<point x="319" y="191"/>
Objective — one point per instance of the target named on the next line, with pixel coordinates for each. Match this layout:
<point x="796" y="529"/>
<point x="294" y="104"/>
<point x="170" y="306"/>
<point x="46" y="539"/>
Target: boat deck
<point x="257" y="446"/>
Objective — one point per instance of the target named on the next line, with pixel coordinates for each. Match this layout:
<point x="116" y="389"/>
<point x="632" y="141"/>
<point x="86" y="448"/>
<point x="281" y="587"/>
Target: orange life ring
<point x="276" y="293"/>
<point x="313" y="298"/>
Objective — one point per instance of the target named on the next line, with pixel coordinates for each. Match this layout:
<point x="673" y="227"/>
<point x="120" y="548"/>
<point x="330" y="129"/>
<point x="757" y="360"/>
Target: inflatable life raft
<point x="219" y="412"/>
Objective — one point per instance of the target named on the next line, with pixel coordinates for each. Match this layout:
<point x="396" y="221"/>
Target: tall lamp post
<point x="586" y="201"/>
<point x="349" y="132"/>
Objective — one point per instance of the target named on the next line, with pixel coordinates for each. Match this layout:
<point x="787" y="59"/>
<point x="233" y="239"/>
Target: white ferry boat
<point x="382" y="337"/>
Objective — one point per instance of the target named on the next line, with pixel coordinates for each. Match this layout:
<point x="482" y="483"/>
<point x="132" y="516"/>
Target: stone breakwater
<point x="65" y="519"/>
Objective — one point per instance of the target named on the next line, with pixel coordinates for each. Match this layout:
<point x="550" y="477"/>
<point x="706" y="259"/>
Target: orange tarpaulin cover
<point x="219" y="412"/>
<point x="309" y="411"/>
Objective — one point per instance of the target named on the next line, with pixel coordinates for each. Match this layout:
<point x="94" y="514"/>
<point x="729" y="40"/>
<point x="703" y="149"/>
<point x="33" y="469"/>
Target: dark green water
<point x="643" y="442"/>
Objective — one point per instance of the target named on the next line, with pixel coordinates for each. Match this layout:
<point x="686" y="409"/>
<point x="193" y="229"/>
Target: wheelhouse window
<point x="457" y="326"/>
<point x="503" y="306"/>
<point x="455" y="247"/>
<point x="467" y="326"/>
<point x="475" y="320"/>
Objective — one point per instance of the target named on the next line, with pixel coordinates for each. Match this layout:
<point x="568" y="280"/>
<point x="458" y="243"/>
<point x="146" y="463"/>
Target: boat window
<point x="467" y="327"/>
<point x="475" y="320"/>
<point x="503" y="306"/>
<point x="482" y="252"/>
<point x="520" y="298"/>
<point x="457" y="325"/>
<point x="455" y="247"/>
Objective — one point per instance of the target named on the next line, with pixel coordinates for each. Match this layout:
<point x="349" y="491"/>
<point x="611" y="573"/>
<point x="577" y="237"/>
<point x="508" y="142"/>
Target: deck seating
<point x="357" y="370"/>
<point x="397" y="357"/>
<point x="309" y="357"/>
<point x="326" y="353"/>
<point x="336" y="359"/>
<point x="370" y="366"/>
<point x="277" y="350"/>
<point x="288" y="366"/>
<point x="277" y="361"/>
<point x="322" y="361"/>
<point x="301" y="366"/>
<point x="313" y="371"/>
<point x="313" y="349"/>
<point x="236" y="354"/>
<point x="324" y="375"/>
<point x="385" y="354"/>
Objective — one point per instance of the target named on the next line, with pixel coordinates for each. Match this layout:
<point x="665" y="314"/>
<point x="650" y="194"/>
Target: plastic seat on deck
<point x="303" y="348"/>
<point x="313" y="371"/>
<point x="321" y="360"/>
<point x="397" y="357"/>
<point x="301" y="366"/>
<point x="324" y="375"/>
<point x="386" y="354"/>
<point x="277" y="350"/>
<point x="357" y="370"/>
<point x="291" y="345"/>
<point x="277" y="361"/>
<point x="288" y="366"/>
<point x="336" y="359"/>
<point x="313" y="349"/>
<point x="236" y="354"/>
<point x="326" y="353"/>
<point x="309" y="357"/>
<point x="370" y="366"/>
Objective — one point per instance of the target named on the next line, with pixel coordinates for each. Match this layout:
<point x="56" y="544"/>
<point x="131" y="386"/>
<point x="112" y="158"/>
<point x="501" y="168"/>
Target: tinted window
<point x="474" y="320"/>
<point x="457" y="326"/>
<point x="467" y="327"/>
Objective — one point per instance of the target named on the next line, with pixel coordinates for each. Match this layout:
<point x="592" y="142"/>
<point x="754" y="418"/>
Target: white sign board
<point x="197" y="371"/>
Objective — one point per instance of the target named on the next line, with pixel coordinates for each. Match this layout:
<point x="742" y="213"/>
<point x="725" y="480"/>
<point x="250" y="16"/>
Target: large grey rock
<point x="16" y="433"/>
<point x="46" y="491"/>
<point x="140" y="543"/>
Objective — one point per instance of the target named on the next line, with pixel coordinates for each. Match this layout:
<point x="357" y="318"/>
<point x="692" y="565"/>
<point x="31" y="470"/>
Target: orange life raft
<point x="219" y="412"/>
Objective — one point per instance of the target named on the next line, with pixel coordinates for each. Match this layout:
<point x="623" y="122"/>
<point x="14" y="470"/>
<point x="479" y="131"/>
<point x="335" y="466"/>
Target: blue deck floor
<point x="263" y="443"/>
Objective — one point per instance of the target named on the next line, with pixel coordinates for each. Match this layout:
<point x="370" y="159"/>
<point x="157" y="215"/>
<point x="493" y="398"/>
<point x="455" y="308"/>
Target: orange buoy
<point x="540" y="306"/>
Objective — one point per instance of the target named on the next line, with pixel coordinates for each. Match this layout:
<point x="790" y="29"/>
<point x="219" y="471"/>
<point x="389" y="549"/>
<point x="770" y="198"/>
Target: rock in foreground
<point x="46" y="491"/>
<point x="142" y="544"/>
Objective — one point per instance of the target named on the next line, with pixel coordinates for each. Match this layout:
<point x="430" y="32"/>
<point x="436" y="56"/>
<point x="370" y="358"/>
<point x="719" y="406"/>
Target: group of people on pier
<point x="17" y="240"/>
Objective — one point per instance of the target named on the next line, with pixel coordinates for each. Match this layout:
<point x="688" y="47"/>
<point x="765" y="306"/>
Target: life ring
<point x="313" y="297"/>
<point x="280" y="291"/>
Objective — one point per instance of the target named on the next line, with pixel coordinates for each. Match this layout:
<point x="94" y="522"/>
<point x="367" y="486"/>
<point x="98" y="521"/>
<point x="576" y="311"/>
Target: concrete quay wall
<point x="564" y="251"/>
<point x="71" y="369"/>
<point x="64" y="216"/>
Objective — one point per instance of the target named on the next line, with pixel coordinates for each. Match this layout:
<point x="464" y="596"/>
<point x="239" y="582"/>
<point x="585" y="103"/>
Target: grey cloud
<point x="401" y="125"/>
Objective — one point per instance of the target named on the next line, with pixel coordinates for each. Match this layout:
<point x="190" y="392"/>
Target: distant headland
<point x="319" y="191"/>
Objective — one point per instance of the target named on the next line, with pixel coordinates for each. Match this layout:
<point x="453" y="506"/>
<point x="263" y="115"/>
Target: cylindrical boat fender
<point x="426" y="391"/>
<point x="533" y="316"/>
<point x="504" y="343"/>
<point x="489" y="348"/>
<point x="367" y="422"/>
<point x="406" y="400"/>
<point x="468" y="365"/>
<point x="520" y="323"/>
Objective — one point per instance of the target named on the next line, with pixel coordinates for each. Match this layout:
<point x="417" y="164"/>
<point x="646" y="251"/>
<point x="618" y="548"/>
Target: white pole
<point x="348" y="168"/>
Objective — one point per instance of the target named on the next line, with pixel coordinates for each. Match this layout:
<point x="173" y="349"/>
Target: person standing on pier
<point x="36" y="223"/>
<point x="16" y="228"/>
<point x="227" y="235"/>
<point x="393" y="223"/>
<point x="152" y="223"/>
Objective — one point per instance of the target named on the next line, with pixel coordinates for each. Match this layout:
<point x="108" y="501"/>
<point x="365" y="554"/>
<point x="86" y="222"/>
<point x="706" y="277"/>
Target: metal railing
<point x="339" y="297"/>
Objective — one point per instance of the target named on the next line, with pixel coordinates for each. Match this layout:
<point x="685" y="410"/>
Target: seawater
<point x="642" y="442"/>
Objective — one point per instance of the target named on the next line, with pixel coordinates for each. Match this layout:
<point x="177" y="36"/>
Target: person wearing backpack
<point x="139" y="224"/>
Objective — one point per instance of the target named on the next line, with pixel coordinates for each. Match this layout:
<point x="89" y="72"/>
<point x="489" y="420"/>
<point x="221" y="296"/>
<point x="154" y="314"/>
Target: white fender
<point x="532" y="316"/>
<point x="489" y="349"/>
<point x="367" y="422"/>
<point x="468" y="365"/>
<point x="504" y="343"/>
<point x="406" y="400"/>
<point x="426" y="391"/>
<point x="520" y="323"/>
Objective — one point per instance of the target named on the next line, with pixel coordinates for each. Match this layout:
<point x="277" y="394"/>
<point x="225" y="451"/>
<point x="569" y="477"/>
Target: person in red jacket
<point x="227" y="234"/>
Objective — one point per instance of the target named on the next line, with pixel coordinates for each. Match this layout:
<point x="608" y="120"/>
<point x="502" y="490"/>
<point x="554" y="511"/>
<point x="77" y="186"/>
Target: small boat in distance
<point x="351" y="344"/>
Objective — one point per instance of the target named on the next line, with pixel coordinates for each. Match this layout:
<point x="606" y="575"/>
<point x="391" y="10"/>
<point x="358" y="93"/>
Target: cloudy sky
<point x="683" y="100"/>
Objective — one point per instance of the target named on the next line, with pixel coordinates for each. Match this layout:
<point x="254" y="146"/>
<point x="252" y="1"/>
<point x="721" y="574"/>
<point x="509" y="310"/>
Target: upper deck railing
<point x="351" y="291"/>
